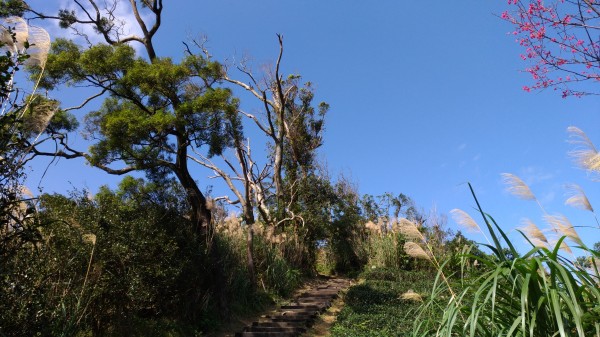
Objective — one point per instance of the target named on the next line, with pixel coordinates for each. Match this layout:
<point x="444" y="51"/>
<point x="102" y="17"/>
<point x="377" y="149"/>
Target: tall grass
<point x="539" y="293"/>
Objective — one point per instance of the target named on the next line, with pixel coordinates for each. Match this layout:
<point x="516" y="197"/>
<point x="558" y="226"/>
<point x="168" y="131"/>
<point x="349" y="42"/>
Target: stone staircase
<point x="293" y="319"/>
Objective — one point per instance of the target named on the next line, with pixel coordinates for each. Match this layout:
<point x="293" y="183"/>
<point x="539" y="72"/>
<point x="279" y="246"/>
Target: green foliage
<point x="347" y="235"/>
<point x="273" y="270"/>
<point x="12" y="8"/>
<point x="376" y="308"/>
<point x="123" y="263"/>
<point x="387" y="251"/>
<point x="539" y="293"/>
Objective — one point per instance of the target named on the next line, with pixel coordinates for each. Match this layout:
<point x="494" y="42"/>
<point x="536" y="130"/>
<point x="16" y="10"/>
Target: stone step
<point x="292" y="320"/>
<point x="266" y="334"/>
<point x="279" y="324"/>
<point x="274" y="329"/>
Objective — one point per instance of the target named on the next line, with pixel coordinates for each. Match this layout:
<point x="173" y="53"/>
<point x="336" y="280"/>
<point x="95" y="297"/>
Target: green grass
<point x="374" y="307"/>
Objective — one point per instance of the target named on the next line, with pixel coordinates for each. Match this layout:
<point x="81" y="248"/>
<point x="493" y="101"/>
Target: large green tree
<point x="156" y="112"/>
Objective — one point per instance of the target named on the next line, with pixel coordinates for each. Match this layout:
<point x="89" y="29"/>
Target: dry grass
<point x="585" y="155"/>
<point x="414" y="250"/>
<point x="517" y="187"/>
<point x="563" y="226"/>
<point x="578" y="198"/>
<point x="410" y="295"/>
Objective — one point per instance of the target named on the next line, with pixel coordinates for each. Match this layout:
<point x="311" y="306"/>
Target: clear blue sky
<point x="424" y="96"/>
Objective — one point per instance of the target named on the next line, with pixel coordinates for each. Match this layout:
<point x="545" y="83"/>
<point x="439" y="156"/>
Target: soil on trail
<point x="311" y="312"/>
<point x="326" y="320"/>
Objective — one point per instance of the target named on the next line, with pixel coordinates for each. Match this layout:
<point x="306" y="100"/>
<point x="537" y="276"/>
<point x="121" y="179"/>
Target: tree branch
<point x="86" y="101"/>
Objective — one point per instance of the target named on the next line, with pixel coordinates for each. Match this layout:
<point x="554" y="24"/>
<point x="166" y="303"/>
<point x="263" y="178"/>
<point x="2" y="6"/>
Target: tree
<point x="292" y="124"/>
<point x="560" y="42"/>
<point x="294" y="130"/>
<point x="156" y="113"/>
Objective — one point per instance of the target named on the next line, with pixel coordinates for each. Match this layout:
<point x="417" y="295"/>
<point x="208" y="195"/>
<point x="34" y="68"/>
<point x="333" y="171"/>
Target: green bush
<point x="124" y="263"/>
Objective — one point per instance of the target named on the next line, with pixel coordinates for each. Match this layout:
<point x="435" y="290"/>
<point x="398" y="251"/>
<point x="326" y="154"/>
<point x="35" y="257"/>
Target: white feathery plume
<point x="89" y="238"/>
<point x="19" y="28"/>
<point x="409" y="229"/>
<point x="532" y="231"/>
<point x="5" y="36"/>
<point x="410" y="295"/>
<point x="538" y="243"/>
<point x="39" y="40"/>
<point x="578" y="199"/>
<point x="414" y="250"/>
<point x="561" y="224"/>
<point x="586" y="155"/>
<point x="464" y="219"/>
<point x="517" y="187"/>
<point x="564" y="246"/>
<point x="41" y="114"/>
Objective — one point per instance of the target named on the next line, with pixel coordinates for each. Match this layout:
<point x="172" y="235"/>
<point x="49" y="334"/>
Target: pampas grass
<point x="578" y="199"/>
<point x="532" y="231"/>
<point x="39" y="40"/>
<point x="539" y="293"/>
<point x="414" y="250"/>
<point x="409" y="230"/>
<point x="563" y="226"/>
<point x="464" y="219"/>
<point x="585" y="155"/>
<point x="39" y="114"/>
<point x="410" y="295"/>
<point x="517" y="187"/>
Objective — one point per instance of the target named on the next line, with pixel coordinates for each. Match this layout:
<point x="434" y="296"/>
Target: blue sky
<point x="425" y="96"/>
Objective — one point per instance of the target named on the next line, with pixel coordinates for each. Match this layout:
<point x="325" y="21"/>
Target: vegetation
<point x="159" y="256"/>
<point x="384" y="304"/>
<point x="539" y="293"/>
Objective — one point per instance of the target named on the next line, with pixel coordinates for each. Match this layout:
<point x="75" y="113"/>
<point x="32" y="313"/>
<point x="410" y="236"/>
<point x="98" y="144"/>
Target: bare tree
<point x="293" y="128"/>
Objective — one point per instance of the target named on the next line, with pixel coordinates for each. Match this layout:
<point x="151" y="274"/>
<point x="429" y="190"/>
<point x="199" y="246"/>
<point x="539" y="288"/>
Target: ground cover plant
<point x="383" y="303"/>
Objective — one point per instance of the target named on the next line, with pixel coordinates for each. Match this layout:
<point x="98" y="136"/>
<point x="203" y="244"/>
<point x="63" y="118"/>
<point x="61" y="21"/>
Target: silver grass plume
<point x="517" y="187"/>
<point x="563" y="226"/>
<point x="39" y="40"/>
<point x="19" y="27"/>
<point x="464" y="219"/>
<point x="586" y="155"/>
<point x="414" y="250"/>
<point x="40" y="113"/>
<point x="578" y="199"/>
<point x="410" y="295"/>
<point x="533" y="232"/>
<point x="564" y="246"/>
<point x="409" y="229"/>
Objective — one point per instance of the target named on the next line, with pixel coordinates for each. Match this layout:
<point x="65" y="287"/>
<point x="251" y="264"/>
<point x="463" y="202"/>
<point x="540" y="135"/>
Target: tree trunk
<point x="200" y="214"/>
<point x="248" y="212"/>
<point x="201" y="218"/>
<point x="250" y="254"/>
